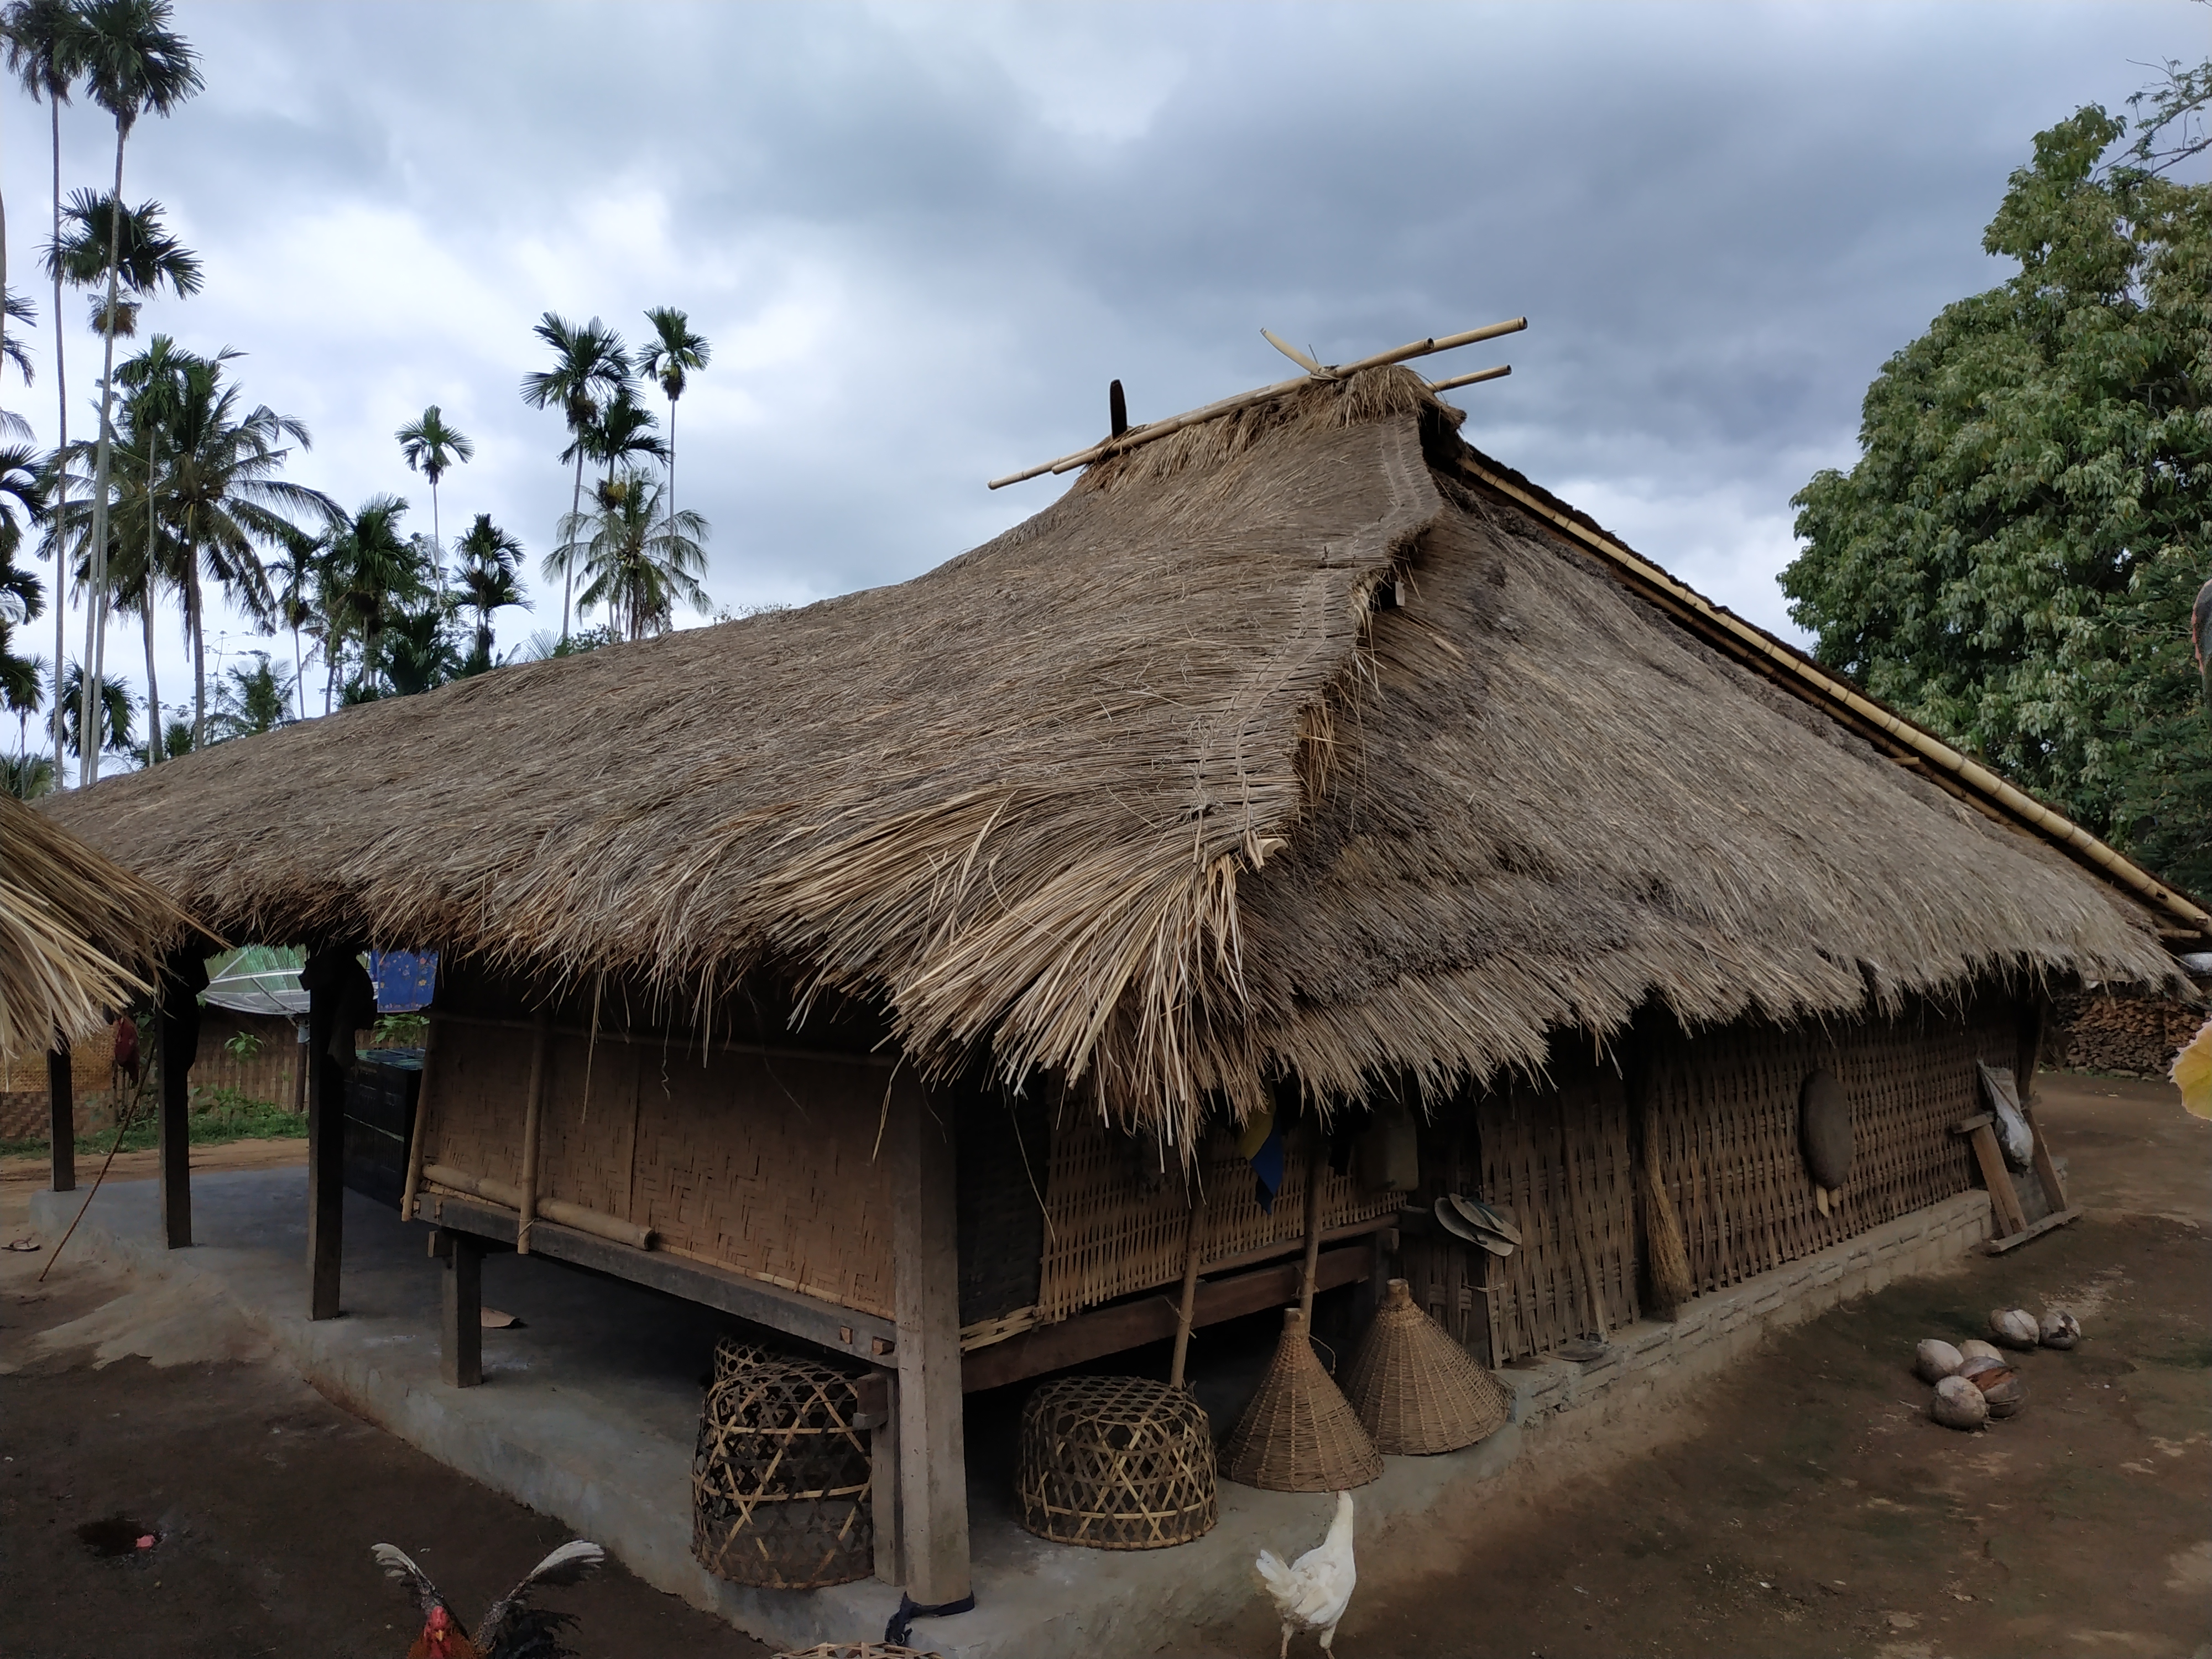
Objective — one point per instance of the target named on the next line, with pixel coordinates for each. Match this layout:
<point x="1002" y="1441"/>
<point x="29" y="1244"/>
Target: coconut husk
<point x="1299" y="1433"/>
<point x="1414" y="1389"/>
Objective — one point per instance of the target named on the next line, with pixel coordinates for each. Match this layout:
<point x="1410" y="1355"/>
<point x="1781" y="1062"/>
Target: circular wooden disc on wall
<point x="1824" y="1129"/>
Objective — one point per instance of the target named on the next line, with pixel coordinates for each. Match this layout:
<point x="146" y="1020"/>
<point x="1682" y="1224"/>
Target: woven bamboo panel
<point x="761" y="1165"/>
<point x="1114" y="1226"/>
<point x="1725" y="1129"/>
<point x="1558" y="1162"/>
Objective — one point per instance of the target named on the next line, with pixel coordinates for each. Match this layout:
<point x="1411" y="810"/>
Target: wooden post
<point x="1317" y="1169"/>
<point x="884" y="1486"/>
<point x="61" y="1119"/>
<point x="418" y="1142"/>
<point x="327" y="1001"/>
<point x="460" y="1351"/>
<point x="932" y="1468"/>
<point x="177" y="1041"/>
<point x="541" y="1039"/>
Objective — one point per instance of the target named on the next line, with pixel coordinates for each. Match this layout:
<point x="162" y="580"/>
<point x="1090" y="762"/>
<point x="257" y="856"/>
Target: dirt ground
<point x="1804" y="1506"/>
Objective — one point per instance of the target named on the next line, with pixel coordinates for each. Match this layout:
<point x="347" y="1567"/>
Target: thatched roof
<point x="79" y="934"/>
<point x="1159" y="791"/>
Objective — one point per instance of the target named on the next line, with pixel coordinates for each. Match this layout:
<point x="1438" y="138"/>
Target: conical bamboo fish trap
<point x="1415" y="1390"/>
<point x="1299" y="1434"/>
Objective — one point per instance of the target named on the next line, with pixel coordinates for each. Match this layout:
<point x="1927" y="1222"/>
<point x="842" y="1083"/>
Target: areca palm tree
<point x="155" y="383"/>
<point x="430" y="445"/>
<point x="590" y="368"/>
<point x="114" y="713"/>
<point x="45" y="48"/>
<point x="134" y="62"/>
<point x="22" y="503"/>
<point x="490" y="576"/>
<point x="147" y="258"/>
<point x="671" y="356"/>
<point x="635" y="562"/>
<point x="292" y="570"/>
<point x="13" y="354"/>
<point x="371" y="575"/>
<point x="252" y="700"/>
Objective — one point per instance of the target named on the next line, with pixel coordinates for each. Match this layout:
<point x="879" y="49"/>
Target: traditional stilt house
<point x="879" y="971"/>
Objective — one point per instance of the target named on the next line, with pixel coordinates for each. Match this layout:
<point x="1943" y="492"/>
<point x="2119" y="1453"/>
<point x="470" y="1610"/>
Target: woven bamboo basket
<point x="733" y="1354"/>
<point x="779" y="1480"/>
<point x="1299" y="1433"/>
<point x="1115" y="1463"/>
<point x="856" y="1650"/>
<point x="1415" y="1390"/>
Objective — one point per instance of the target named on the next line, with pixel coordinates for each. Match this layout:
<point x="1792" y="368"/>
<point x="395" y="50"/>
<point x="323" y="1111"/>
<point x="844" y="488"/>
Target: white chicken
<point x="1313" y="1590"/>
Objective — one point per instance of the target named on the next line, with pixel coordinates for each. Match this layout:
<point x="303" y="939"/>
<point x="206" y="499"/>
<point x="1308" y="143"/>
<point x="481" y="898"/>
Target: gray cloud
<point x="923" y="240"/>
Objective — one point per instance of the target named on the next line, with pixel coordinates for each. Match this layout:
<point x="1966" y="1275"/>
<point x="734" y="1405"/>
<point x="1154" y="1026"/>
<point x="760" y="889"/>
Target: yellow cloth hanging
<point x="2192" y="1074"/>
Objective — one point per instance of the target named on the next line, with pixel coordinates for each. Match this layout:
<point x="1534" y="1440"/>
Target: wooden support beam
<point x="460" y="1351"/>
<point x="883" y="1484"/>
<point x="176" y="1042"/>
<point x="333" y="1000"/>
<point x="1980" y="1134"/>
<point x="2034" y="1230"/>
<point x="932" y="1466"/>
<point x="843" y="1331"/>
<point x="61" y="1120"/>
<point x="1133" y="1324"/>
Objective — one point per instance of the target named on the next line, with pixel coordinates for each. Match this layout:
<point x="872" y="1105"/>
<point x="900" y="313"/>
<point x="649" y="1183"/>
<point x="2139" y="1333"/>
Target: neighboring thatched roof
<point x="1157" y="790"/>
<point x="79" y="934"/>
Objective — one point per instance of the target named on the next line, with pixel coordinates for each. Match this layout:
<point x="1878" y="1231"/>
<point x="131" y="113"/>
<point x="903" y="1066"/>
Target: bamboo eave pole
<point x="1137" y="436"/>
<point x="526" y="1210"/>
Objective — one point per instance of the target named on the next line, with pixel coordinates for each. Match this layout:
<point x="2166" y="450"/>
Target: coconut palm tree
<point x="590" y="367"/>
<point x="490" y="576"/>
<point x="227" y="502"/>
<point x="430" y="445"/>
<point x="14" y="427"/>
<point x="134" y="62"/>
<point x="22" y="502"/>
<point x="636" y="562"/>
<point x="44" y="41"/>
<point x="154" y="392"/>
<point x="291" y="570"/>
<point x="673" y="355"/>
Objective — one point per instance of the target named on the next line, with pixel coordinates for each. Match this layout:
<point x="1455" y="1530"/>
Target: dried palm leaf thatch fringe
<point x="79" y="935"/>
<point x="1156" y="793"/>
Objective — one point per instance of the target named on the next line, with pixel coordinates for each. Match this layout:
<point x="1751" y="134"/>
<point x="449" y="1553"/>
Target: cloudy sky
<point x="921" y="240"/>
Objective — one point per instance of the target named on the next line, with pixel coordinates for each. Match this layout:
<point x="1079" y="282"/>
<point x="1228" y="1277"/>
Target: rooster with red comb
<point x="512" y="1629"/>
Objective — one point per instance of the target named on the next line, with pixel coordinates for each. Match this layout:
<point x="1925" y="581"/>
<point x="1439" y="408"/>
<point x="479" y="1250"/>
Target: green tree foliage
<point x="2011" y="560"/>
<point x="251" y="698"/>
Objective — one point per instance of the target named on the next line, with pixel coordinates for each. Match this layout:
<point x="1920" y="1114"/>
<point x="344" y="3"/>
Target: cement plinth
<point x="590" y="1409"/>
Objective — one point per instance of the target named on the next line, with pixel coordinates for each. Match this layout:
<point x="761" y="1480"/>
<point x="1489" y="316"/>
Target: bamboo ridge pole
<point x="1139" y="436"/>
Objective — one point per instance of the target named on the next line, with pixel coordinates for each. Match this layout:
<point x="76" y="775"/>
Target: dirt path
<point x="258" y="1491"/>
<point x="1804" y="1507"/>
<point x="1809" y="1506"/>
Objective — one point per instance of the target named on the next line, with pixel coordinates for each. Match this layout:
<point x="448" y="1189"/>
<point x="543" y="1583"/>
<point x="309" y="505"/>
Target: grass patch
<point x="217" y="1115"/>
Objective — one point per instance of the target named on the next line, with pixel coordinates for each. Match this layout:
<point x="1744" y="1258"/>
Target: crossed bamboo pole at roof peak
<point x="1314" y="370"/>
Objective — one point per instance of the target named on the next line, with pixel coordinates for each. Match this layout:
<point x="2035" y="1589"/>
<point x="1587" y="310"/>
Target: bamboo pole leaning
<point x="526" y="1204"/>
<point x="1137" y="436"/>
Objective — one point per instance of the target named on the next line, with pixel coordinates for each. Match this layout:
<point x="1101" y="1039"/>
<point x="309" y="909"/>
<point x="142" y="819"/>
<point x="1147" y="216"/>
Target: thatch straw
<point x="1147" y="792"/>
<point x="79" y="935"/>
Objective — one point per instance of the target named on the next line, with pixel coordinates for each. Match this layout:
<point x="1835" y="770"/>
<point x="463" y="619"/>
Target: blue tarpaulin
<point x="406" y="980"/>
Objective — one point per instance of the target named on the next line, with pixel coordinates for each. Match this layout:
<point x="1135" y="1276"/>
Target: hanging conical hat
<point x="1415" y="1389"/>
<point x="1298" y="1434"/>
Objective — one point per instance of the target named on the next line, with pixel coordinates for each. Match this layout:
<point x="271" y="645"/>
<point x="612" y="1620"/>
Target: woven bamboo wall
<point x="761" y="1165"/>
<point x="1114" y="1226"/>
<point x="1725" y="1128"/>
<point x="1558" y="1162"/>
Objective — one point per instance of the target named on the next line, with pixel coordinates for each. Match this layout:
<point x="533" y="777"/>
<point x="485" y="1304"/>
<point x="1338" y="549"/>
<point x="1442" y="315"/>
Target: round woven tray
<point x="779" y="1480"/>
<point x="1414" y="1389"/>
<point x="1115" y="1463"/>
<point x="1299" y="1433"/>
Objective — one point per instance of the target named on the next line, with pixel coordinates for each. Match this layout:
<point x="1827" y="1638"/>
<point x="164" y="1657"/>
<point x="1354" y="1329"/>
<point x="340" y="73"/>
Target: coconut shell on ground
<point x="1959" y="1404"/>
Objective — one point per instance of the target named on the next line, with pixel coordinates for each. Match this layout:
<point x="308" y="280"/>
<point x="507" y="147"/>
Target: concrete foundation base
<point x="591" y="1407"/>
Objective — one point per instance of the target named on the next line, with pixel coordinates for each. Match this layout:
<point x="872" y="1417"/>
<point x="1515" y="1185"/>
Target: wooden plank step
<point x="1999" y="1246"/>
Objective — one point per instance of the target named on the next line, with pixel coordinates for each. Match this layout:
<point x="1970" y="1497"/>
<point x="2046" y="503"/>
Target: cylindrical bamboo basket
<point x="1115" y="1463"/>
<point x="1299" y="1433"/>
<point x="856" y="1650"/>
<point x="1415" y="1390"/>
<point x="733" y="1354"/>
<point x="779" y="1481"/>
